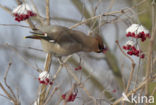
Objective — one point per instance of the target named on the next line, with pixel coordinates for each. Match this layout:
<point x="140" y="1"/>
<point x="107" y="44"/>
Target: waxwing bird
<point x="62" y="41"/>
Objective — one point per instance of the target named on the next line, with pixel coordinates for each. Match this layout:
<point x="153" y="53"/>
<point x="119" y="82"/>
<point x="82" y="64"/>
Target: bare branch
<point x="5" y="80"/>
<point x="15" y="25"/>
<point x="79" y="82"/>
<point x="51" y="95"/>
<point x="48" y="11"/>
<point x="132" y="68"/>
<point x="6" y="9"/>
<point x="150" y="49"/>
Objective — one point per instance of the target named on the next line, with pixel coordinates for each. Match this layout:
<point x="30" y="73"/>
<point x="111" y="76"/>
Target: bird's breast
<point x="55" y="48"/>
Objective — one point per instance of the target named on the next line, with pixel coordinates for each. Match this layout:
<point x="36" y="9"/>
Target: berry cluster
<point x="45" y="78"/>
<point x="135" y="31"/>
<point x="21" y="17"/>
<point x="23" y="12"/>
<point x="78" y="68"/>
<point x="133" y="51"/>
<point x="71" y="97"/>
<point x="141" y="35"/>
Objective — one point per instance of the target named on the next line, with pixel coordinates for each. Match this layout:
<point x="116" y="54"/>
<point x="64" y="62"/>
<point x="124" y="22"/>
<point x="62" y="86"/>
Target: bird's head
<point x="37" y="35"/>
<point x="101" y="47"/>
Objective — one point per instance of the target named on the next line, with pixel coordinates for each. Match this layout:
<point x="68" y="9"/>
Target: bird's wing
<point x="68" y="41"/>
<point x="68" y="38"/>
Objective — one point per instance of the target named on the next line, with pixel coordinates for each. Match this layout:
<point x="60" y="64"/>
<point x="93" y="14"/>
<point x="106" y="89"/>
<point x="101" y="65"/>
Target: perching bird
<point x="62" y="41"/>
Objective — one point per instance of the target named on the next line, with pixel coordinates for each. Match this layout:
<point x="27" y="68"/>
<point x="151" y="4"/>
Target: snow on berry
<point x="137" y="31"/>
<point x="23" y="12"/>
<point x="45" y="78"/>
<point x="129" y="44"/>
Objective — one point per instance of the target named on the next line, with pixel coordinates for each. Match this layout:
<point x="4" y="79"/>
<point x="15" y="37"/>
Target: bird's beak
<point x="35" y="35"/>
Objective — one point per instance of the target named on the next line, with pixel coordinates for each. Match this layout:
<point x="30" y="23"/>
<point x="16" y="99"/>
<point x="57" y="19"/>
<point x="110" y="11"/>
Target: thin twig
<point x="15" y="25"/>
<point x="51" y="95"/>
<point x="153" y="92"/>
<point x="4" y="96"/>
<point x="79" y="82"/>
<point x="117" y="42"/>
<point x="48" y="11"/>
<point x="48" y="91"/>
<point x="6" y="8"/>
<point x="95" y="17"/>
<point x="61" y="66"/>
<point x="43" y="87"/>
<point x="22" y="58"/>
<point x="5" y="80"/>
<point x="74" y="86"/>
<point x="6" y="92"/>
<point x="132" y="68"/>
<point x="48" y="58"/>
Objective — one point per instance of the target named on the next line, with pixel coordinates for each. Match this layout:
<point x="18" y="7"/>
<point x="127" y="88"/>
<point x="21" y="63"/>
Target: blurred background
<point x="106" y="74"/>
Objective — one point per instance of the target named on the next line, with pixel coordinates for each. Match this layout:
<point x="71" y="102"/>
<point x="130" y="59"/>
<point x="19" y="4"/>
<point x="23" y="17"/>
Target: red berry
<point x="29" y="13"/>
<point x="124" y="47"/>
<point x="76" y="69"/>
<point x="128" y="47"/>
<point x="51" y="83"/>
<point x="147" y="35"/>
<point x="114" y="91"/>
<point x="133" y="34"/>
<point x="137" y="52"/>
<point x="79" y="67"/>
<point x="71" y="97"/>
<point x="130" y="52"/>
<point x="142" y="56"/>
<point x="133" y="48"/>
<point x="17" y="19"/>
<point x="128" y="34"/>
<point x="25" y="17"/>
<point x="47" y="80"/>
<point x="142" y="32"/>
<point x="64" y="96"/>
<point x="15" y="14"/>
<point x="21" y="17"/>
<point x="42" y="82"/>
<point x="143" y="39"/>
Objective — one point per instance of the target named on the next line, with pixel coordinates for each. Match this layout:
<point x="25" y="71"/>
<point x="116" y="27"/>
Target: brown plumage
<point x="62" y="41"/>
